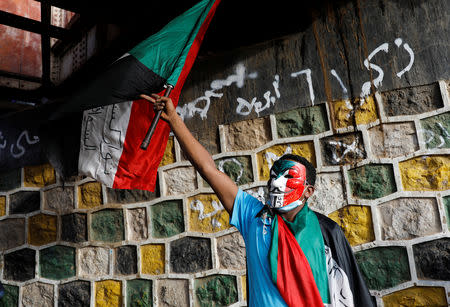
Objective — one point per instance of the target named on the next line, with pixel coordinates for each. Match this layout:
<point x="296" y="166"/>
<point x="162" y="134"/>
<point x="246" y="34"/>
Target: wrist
<point x="173" y="118"/>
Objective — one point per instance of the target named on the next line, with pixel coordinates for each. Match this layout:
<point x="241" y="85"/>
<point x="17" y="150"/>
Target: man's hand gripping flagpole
<point x="199" y="157"/>
<point x="155" y="120"/>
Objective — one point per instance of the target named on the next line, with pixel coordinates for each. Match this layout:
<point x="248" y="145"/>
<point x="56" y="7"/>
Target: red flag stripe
<point x="137" y="168"/>
<point x="192" y="54"/>
<point x="295" y="280"/>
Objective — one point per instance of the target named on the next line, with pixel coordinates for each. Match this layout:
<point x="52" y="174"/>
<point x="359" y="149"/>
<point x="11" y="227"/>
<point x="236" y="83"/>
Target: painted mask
<point x="287" y="182"/>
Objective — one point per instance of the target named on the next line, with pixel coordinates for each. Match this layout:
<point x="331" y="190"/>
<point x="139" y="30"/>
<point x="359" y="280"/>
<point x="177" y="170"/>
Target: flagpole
<point x="152" y="128"/>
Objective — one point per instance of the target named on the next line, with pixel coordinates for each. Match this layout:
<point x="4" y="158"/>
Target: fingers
<point x="159" y="105"/>
<point x="146" y="97"/>
<point x="154" y="98"/>
<point x="159" y="102"/>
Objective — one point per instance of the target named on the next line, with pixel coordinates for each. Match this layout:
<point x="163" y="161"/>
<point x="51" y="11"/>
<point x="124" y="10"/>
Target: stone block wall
<point x="383" y="176"/>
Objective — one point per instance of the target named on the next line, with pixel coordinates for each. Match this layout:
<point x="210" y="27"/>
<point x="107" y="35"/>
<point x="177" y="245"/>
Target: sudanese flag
<point x="108" y="113"/>
<point x="297" y="260"/>
<point x="312" y="263"/>
<point x="116" y="119"/>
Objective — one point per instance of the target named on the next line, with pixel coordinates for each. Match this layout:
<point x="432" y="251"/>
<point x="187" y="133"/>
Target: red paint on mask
<point x="295" y="185"/>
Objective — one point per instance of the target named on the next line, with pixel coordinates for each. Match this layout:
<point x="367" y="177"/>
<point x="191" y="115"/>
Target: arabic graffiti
<point x="258" y="105"/>
<point x="18" y="148"/>
<point x="197" y="205"/>
<point x="102" y="137"/>
<point x="188" y="110"/>
<point x="436" y="139"/>
<point x="306" y="72"/>
<point x="246" y="106"/>
<point x="365" y="89"/>
<point x="408" y="49"/>
<point x="340" y="151"/>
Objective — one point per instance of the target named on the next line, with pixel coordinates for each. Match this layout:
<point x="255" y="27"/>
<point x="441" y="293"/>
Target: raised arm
<point x="200" y="158"/>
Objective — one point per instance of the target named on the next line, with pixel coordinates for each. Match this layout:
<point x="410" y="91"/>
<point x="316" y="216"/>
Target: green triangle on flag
<point x="165" y="52"/>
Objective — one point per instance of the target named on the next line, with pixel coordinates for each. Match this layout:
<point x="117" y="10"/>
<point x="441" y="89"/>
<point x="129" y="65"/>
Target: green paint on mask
<point x="280" y="166"/>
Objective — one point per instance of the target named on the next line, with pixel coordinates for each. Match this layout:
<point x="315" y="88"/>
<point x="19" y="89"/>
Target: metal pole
<point x="152" y="128"/>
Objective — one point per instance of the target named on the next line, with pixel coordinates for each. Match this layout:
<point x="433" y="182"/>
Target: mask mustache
<point x="277" y="191"/>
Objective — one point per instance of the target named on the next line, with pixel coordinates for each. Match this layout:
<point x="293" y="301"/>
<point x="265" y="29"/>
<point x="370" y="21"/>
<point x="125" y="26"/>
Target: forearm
<point x="195" y="152"/>
<point x="222" y="185"/>
<point x="200" y="158"/>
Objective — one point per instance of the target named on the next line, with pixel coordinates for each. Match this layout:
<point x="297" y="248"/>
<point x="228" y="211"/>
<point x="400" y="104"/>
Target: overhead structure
<point x="53" y="46"/>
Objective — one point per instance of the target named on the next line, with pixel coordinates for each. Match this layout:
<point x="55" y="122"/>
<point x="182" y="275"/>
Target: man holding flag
<point x="98" y="129"/>
<point x="111" y="148"/>
<point x="295" y="257"/>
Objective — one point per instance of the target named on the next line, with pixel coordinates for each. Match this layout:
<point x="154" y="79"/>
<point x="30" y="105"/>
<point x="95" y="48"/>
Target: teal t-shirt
<point x="257" y="234"/>
<point x="306" y="230"/>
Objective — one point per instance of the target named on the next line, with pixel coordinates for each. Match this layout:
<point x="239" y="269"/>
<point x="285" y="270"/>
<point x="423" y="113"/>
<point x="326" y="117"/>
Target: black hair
<point x="310" y="169"/>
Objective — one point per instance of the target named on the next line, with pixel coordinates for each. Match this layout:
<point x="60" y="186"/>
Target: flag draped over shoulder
<point x="312" y="263"/>
<point x="117" y="121"/>
<point x="297" y="260"/>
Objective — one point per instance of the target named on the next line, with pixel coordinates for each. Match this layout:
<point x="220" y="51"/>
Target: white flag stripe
<point x="102" y="136"/>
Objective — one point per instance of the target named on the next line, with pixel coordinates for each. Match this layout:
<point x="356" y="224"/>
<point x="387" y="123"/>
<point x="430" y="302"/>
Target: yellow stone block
<point x="2" y="205"/>
<point x="89" y="195"/>
<point x="39" y="176"/>
<point x="364" y="114"/>
<point x="42" y="229"/>
<point x="244" y="287"/>
<point x="356" y="221"/>
<point x="108" y="293"/>
<point x="153" y="259"/>
<point x="426" y="173"/>
<point x="169" y="153"/>
<point x="266" y="157"/>
<point x="206" y="214"/>
<point x="417" y="296"/>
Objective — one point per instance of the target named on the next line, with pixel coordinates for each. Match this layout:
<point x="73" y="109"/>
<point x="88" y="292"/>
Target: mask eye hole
<point x="288" y="176"/>
<point x="273" y="176"/>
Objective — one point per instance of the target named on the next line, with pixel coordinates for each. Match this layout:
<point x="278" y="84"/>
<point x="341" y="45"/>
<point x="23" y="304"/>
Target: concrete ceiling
<point x="126" y="23"/>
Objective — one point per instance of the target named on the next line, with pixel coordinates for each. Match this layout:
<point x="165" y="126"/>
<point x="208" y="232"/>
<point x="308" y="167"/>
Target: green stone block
<point x="239" y="169"/>
<point x="436" y="131"/>
<point x="11" y="298"/>
<point x="447" y="209"/>
<point x="217" y="290"/>
<point x="107" y="226"/>
<point x="384" y="267"/>
<point x="125" y="196"/>
<point x="303" y="121"/>
<point x="57" y="262"/>
<point x="139" y="293"/>
<point x="372" y="181"/>
<point x="10" y="180"/>
<point x="167" y="219"/>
